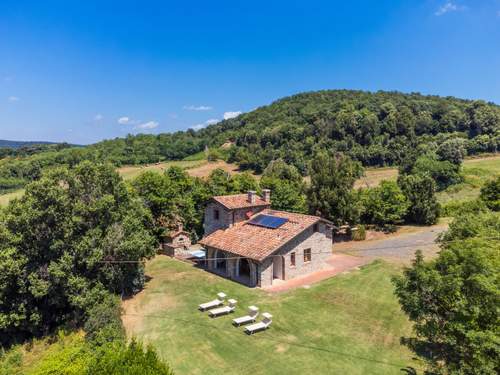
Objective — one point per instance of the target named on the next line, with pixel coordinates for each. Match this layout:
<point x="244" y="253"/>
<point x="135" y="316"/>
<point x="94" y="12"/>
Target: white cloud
<point x="198" y="126"/>
<point x="228" y="115"/>
<point x="205" y="124"/>
<point x="197" y="108"/>
<point x="124" y="120"/>
<point x="13" y="99"/>
<point x="98" y="117"/>
<point x="448" y="7"/>
<point x="212" y="121"/>
<point x="148" y="125"/>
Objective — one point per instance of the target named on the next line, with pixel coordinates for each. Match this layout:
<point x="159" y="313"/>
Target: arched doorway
<point x="246" y="272"/>
<point x="244" y="268"/>
<point x="220" y="261"/>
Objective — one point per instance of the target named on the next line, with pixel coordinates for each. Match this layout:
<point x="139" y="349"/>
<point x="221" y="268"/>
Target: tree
<point x="219" y="182"/>
<point x="490" y="194"/>
<point x="61" y="245"/>
<point x="452" y="150"/>
<point x="243" y="182"/>
<point x="453" y="301"/>
<point x="444" y="172"/>
<point x="384" y="205"/>
<point x="284" y="195"/>
<point x="287" y="186"/>
<point x="331" y="192"/>
<point x="420" y="191"/>
<point x="281" y="170"/>
<point x="174" y="198"/>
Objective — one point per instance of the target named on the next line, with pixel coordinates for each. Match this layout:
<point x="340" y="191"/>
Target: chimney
<point x="266" y="195"/>
<point x="251" y="196"/>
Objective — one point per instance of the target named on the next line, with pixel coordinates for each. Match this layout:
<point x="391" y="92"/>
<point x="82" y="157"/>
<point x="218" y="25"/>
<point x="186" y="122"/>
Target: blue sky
<point x="84" y="71"/>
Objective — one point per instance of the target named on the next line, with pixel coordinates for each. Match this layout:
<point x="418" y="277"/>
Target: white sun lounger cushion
<point x="266" y="322"/>
<point x="224" y="310"/>
<point x="253" y="312"/>
<point x="216" y="302"/>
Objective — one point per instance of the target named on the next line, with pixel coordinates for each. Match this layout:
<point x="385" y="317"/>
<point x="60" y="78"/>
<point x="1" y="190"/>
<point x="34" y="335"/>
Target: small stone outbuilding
<point x="176" y="242"/>
<point x="249" y="242"/>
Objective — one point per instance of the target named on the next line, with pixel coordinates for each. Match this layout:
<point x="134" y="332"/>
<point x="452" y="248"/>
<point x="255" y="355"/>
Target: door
<point x="278" y="267"/>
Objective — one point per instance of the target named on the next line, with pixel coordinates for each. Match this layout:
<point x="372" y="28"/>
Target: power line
<point x="275" y="339"/>
<point x="316" y="252"/>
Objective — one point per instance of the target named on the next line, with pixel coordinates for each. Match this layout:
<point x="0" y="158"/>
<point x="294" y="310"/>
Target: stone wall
<point x="226" y="217"/>
<point x="181" y="240"/>
<point x="210" y="224"/>
<point x="320" y="244"/>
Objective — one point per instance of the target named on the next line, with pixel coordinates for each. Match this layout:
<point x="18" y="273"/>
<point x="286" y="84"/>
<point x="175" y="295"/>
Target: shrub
<point x="454" y="208"/>
<point x="116" y="359"/>
<point x="490" y="194"/>
<point x="360" y="234"/>
<point x="214" y="155"/>
<point x="103" y="323"/>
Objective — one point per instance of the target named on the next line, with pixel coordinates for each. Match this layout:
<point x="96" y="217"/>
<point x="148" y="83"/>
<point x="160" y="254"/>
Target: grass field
<point x="6" y="198"/>
<point x="130" y="172"/>
<point x="350" y="324"/>
<point x="476" y="172"/>
<point x="374" y="176"/>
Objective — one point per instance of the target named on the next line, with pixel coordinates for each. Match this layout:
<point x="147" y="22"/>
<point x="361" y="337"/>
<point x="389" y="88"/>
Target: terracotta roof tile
<point x="257" y="242"/>
<point x="239" y="201"/>
<point x="176" y="233"/>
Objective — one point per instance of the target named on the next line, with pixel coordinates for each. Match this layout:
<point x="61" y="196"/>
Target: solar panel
<point x="268" y="221"/>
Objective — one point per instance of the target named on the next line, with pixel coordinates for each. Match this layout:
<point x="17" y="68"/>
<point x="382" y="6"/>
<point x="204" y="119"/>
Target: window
<point x="216" y="214"/>
<point x="307" y="255"/>
<point x="316" y="227"/>
<point x="292" y="259"/>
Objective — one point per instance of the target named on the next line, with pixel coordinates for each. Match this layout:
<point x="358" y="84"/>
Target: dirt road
<point x="398" y="247"/>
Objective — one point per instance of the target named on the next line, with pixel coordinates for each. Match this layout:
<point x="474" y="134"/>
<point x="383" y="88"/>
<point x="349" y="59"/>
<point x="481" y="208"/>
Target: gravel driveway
<point x="399" y="247"/>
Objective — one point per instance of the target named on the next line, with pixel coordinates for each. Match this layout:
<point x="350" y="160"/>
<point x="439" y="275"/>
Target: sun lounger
<point x="253" y="312"/>
<point x="224" y="310"/>
<point x="266" y="322"/>
<point x="216" y="302"/>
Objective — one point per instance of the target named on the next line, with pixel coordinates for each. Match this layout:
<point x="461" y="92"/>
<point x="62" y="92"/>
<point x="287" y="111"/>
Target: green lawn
<point x="350" y="324"/>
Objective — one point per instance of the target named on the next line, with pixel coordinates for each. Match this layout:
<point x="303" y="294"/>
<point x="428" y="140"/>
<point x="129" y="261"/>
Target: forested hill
<point x="374" y="128"/>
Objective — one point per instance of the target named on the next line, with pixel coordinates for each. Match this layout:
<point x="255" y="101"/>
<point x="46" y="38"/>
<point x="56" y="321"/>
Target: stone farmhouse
<point x="249" y="242"/>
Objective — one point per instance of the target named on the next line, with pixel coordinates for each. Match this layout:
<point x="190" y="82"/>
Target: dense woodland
<point x="376" y="129"/>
